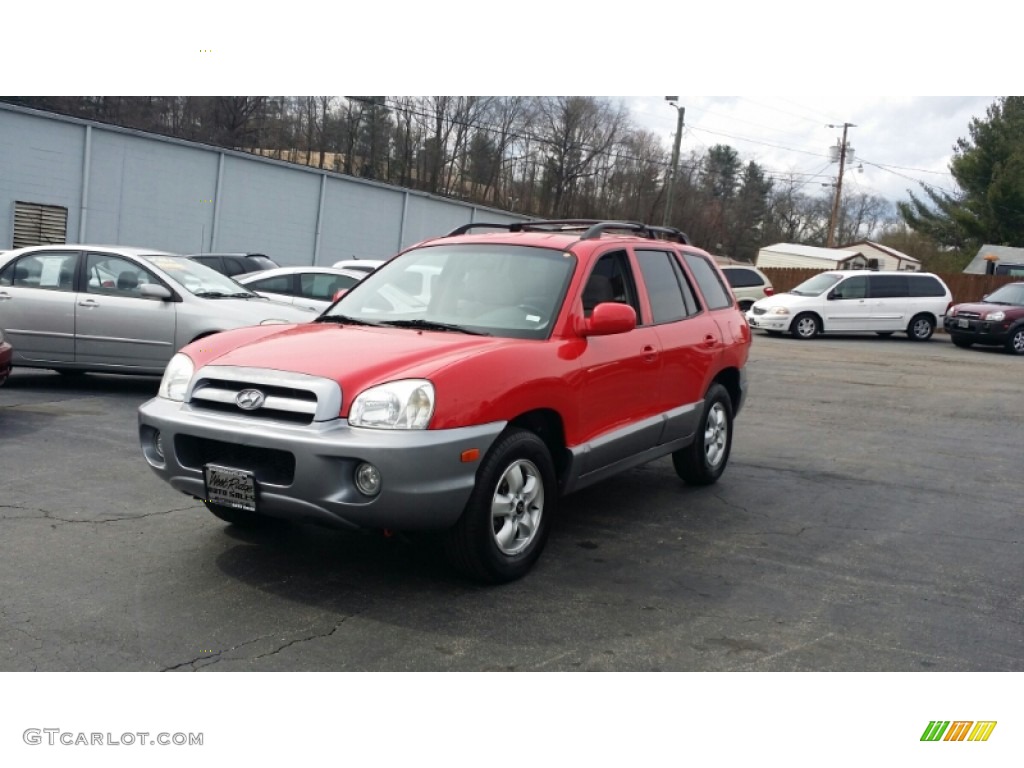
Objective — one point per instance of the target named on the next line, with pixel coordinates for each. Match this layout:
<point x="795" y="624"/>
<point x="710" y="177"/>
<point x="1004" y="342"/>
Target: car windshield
<point x="200" y="279"/>
<point x="1008" y="294"/>
<point x="496" y="290"/>
<point x="816" y="285"/>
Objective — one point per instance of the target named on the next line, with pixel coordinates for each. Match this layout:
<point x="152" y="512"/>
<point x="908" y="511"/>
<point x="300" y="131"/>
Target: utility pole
<point x="680" y="111"/>
<point x="839" y="186"/>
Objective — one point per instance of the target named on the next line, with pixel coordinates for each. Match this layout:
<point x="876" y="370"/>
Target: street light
<point x="680" y="111"/>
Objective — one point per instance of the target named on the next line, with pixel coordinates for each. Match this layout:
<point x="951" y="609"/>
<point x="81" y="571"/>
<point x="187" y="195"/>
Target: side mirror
<point x="154" y="291"/>
<point x="609" y="318"/>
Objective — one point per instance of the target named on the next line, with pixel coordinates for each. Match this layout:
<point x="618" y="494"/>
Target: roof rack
<point x="592" y="228"/>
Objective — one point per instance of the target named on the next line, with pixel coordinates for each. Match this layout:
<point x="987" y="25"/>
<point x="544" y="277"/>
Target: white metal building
<point x="885" y="257"/>
<point x="64" y="179"/>
<point x="810" y="257"/>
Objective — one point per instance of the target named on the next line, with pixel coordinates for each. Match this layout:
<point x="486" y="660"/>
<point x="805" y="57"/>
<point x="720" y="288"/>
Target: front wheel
<point x="1015" y="343"/>
<point x="704" y="460"/>
<point x="921" y="328"/>
<point x="506" y="521"/>
<point x="805" y="326"/>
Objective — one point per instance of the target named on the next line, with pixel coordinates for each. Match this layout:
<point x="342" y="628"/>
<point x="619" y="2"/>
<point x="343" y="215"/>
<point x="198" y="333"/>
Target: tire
<point x="921" y="328"/>
<point x="960" y="341"/>
<point x="505" y="524"/>
<point x="1015" y="341"/>
<point x="238" y="517"/>
<point x="805" y="326"/>
<point x="703" y="461"/>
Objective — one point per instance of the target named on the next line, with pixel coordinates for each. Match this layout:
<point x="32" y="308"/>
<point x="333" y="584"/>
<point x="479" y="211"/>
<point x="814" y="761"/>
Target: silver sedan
<point x="309" y="287"/>
<point x="119" y="309"/>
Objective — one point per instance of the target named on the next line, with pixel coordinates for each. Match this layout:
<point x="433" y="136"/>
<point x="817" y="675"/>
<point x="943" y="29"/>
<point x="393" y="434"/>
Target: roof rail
<point x="592" y="228"/>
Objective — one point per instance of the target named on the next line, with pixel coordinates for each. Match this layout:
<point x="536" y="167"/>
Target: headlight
<point x="996" y="316"/>
<point x="177" y="375"/>
<point x="405" y="404"/>
<point x="778" y="311"/>
<point x="951" y="312"/>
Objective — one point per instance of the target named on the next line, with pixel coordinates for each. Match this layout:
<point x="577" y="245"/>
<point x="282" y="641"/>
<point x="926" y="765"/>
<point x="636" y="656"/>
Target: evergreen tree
<point x="989" y="169"/>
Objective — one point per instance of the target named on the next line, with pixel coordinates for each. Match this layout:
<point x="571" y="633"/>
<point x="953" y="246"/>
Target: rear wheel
<point x="703" y="461"/>
<point x="921" y="328"/>
<point x="805" y="326"/>
<point x="506" y="521"/>
<point x="239" y="517"/>
<point x="1015" y="343"/>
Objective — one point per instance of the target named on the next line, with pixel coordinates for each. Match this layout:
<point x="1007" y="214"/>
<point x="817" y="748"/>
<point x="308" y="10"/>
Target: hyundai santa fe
<point x="538" y="359"/>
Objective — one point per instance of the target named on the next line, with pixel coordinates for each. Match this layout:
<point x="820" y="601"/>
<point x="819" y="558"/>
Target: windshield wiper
<point x="344" y="320"/>
<point x="430" y="325"/>
<point x="222" y="295"/>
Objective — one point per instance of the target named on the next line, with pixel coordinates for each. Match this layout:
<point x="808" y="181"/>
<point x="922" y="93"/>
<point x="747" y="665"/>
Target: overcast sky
<point x="898" y="141"/>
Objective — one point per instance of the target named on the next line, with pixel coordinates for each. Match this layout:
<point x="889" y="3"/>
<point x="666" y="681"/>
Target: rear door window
<point x="667" y="287"/>
<point x="888" y="286"/>
<point x="926" y="285"/>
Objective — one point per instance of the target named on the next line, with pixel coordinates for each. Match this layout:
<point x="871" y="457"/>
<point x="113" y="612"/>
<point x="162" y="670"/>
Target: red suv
<point x="998" y="319"/>
<point x="465" y="386"/>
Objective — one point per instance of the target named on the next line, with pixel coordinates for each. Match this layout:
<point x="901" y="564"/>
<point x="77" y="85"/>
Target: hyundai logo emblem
<point x="249" y="399"/>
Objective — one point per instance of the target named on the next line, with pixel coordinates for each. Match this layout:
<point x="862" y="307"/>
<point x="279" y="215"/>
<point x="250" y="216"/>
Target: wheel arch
<point x="547" y="424"/>
<point x="730" y="378"/>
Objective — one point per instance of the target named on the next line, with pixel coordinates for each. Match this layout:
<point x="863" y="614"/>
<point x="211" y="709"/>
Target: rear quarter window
<point x="743" y="278"/>
<point x="716" y="295"/>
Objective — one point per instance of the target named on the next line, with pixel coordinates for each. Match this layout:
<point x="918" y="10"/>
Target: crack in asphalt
<point x="54" y="517"/>
<point x="214" y="658"/>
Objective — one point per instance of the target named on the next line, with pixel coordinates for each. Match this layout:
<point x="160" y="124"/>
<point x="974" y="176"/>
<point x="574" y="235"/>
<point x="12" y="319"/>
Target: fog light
<point x="367" y="479"/>
<point x="158" y="444"/>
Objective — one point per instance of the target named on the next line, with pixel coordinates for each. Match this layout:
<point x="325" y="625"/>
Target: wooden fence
<point x="963" y="287"/>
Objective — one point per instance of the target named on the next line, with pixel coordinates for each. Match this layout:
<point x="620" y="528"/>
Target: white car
<point x="363" y="265"/>
<point x="119" y="309"/>
<point x="307" y="287"/>
<point x="854" y="302"/>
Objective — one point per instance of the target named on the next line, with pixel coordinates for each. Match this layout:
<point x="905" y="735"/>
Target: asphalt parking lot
<point x="870" y="519"/>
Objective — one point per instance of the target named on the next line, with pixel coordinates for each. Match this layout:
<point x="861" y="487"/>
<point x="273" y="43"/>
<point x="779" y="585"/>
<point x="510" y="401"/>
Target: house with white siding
<point x="884" y="256"/>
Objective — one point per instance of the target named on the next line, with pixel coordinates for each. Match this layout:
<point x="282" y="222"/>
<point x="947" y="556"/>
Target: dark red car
<point x="996" y="320"/>
<point x="5" y="359"/>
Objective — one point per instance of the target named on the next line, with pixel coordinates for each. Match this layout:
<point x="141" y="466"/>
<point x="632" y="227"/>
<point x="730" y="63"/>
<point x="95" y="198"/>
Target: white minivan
<point x="856" y="301"/>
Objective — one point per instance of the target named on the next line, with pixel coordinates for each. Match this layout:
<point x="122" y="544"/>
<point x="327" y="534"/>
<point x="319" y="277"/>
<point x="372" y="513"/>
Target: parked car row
<point x="914" y="303"/>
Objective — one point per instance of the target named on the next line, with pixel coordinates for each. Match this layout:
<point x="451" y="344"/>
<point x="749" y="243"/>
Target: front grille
<point x="295" y="406"/>
<point x="269" y="465"/>
<point x="968" y="315"/>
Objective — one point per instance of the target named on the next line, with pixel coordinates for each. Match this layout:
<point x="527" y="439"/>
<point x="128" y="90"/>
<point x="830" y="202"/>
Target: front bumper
<point x="769" y="322"/>
<point x="306" y="472"/>
<point x="976" y="330"/>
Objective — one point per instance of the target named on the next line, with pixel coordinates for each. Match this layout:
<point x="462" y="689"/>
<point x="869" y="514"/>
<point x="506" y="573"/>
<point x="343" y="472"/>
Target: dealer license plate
<point x="962" y="323"/>
<point x="234" y="488"/>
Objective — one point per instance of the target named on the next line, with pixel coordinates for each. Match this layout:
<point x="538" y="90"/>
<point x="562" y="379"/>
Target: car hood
<point x="254" y="311"/>
<point x="785" y="300"/>
<point x="983" y="308"/>
<point x="354" y="356"/>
